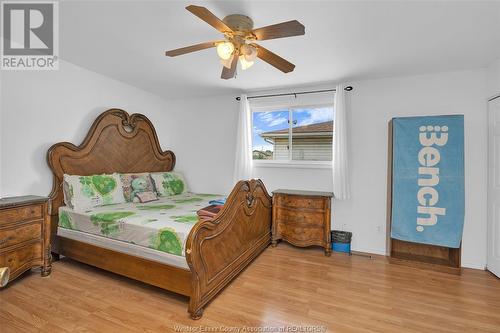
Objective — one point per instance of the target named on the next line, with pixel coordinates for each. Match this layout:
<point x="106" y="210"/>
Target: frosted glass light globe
<point x="227" y="62"/>
<point x="249" y="52"/>
<point x="225" y="50"/>
<point x="245" y="64"/>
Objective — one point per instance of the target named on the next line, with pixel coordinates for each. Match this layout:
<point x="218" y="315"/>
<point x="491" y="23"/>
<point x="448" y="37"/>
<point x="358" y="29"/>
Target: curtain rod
<point x="348" y="88"/>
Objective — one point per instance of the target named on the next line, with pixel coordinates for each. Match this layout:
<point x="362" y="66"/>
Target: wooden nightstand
<point x="302" y="218"/>
<point x="24" y="236"/>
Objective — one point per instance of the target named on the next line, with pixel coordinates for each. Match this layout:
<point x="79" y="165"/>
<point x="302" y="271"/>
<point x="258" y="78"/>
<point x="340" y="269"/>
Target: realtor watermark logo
<point x="30" y="35"/>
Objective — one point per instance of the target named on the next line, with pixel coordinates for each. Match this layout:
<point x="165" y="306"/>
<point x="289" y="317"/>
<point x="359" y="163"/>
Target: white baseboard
<point x="366" y="250"/>
<point x="474" y="265"/>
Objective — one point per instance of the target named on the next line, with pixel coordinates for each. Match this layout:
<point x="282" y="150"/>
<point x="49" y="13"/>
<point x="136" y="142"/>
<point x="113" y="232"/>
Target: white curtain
<point x="243" y="160"/>
<point x="341" y="188"/>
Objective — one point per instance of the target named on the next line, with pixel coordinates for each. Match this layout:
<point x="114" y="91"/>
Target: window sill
<point x="293" y="164"/>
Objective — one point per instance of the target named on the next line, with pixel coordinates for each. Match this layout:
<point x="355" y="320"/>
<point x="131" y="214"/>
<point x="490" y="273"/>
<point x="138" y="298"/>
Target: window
<point x="293" y="134"/>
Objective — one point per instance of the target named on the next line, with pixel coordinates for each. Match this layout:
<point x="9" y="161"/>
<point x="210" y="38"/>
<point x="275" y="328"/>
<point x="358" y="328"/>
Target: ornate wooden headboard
<point x="116" y="142"/>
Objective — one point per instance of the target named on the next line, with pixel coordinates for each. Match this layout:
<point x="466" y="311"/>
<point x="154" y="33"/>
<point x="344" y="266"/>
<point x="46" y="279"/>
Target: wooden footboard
<point x="219" y="249"/>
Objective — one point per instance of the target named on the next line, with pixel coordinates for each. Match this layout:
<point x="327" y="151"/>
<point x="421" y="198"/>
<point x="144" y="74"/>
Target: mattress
<point x="161" y="225"/>
<point x="123" y="247"/>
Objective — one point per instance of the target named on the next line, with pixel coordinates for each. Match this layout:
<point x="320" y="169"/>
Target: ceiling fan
<point x="239" y="41"/>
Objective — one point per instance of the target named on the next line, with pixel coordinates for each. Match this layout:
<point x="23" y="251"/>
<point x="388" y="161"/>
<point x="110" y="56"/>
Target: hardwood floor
<point x="284" y="286"/>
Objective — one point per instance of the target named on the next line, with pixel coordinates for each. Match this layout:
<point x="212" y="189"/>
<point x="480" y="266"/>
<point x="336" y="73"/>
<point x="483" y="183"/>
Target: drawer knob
<point x="4" y="276"/>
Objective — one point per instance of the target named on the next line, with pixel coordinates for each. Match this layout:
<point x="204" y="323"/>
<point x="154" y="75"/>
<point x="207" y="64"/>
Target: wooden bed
<point x="216" y="250"/>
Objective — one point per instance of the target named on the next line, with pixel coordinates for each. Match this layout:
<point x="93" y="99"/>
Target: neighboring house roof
<point x="324" y="128"/>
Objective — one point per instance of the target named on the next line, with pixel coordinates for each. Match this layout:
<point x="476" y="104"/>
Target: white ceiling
<point x="350" y="40"/>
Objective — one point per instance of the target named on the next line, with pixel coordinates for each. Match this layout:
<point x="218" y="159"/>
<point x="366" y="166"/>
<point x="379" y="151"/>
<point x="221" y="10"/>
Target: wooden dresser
<point x="302" y="218"/>
<point x="24" y="236"/>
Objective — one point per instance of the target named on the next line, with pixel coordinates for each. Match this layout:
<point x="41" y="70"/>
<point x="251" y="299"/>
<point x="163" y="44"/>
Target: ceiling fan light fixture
<point x="225" y="50"/>
<point x="245" y="64"/>
<point x="238" y="43"/>
<point x="227" y="62"/>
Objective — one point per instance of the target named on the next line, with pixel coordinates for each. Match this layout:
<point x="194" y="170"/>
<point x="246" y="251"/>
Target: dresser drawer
<point x="22" y="233"/>
<point x="301" y="233"/>
<point x="291" y="201"/>
<point x="305" y="218"/>
<point x="20" y="259"/>
<point x="21" y="213"/>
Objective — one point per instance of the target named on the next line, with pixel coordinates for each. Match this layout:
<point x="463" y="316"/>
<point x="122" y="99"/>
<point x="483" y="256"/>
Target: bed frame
<point x="216" y="250"/>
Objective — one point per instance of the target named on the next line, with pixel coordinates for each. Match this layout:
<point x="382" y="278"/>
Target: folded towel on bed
<point x="209" y="211"/>
<point x="219" y="202"/>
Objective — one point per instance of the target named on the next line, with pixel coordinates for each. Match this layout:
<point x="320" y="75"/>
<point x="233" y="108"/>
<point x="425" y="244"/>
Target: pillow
<point x="169" y="183"/>
<point x="134" y="183"/>
<point x="83" y="192"/>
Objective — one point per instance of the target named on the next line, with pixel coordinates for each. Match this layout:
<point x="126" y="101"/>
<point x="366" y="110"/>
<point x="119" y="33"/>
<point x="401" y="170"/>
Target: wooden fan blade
<point x="192" y="48"/>
<point x="208" y="17"/>
<point x="280" y="30"/>
<point x="228" y="73"/>
<point x="274" y="59"/>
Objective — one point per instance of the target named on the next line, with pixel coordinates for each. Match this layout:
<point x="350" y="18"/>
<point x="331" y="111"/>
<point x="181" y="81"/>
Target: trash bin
<point x="341" y="241"/>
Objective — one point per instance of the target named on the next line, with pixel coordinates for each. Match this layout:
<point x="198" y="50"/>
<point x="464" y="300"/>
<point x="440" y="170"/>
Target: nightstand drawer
<point x="21" y="259"/>
<point x="300" y="202"/>
<point x="301" y="233"/>
<point x="21" y="213"/>
<point x="292" y="216"/>
<point x="20" y="234"/>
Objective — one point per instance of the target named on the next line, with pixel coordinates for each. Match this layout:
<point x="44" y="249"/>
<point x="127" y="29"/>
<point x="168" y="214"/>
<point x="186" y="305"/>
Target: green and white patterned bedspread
<point x="162" y="225"/>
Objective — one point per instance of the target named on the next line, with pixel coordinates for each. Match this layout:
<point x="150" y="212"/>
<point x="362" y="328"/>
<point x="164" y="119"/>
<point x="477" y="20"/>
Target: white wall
<point x="493" y="79"/>
<point x="203" y="140"/>
<point x="40" y="108"/>
<point x="373" y="104"/>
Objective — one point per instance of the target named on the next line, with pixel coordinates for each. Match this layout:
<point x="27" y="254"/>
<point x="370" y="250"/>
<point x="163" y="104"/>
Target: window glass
<point x="270" y="135"/>
<point x="312" y="134"/>
<point x="293" y="134"/>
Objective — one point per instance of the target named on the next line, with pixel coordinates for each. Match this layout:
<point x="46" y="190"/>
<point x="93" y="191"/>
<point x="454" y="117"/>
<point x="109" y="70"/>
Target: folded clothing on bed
<point x="218" y="202"/>
<point x="209" y="212"/>
<point x="162" y="225"/>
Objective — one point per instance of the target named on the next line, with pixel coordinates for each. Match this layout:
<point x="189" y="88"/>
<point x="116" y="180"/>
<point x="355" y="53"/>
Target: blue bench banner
<point x="428" y="180"/>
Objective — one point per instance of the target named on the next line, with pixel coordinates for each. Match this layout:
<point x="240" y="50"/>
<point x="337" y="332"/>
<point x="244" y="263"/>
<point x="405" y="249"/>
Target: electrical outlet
<point x="379" y="228"/>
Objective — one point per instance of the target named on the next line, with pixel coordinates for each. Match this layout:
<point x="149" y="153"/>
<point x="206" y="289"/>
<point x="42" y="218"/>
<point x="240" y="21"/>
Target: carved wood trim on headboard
<point x="116" y="142"/>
